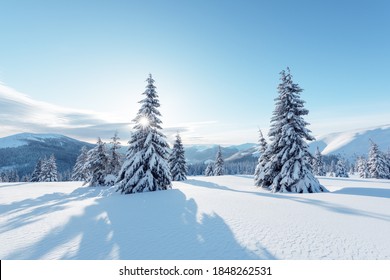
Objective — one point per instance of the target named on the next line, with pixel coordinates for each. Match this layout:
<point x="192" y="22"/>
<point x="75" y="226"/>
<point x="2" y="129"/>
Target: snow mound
<point x="222" y="217"/>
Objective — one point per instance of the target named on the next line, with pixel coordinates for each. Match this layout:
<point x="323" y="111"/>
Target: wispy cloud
<point x="21" y="113"/>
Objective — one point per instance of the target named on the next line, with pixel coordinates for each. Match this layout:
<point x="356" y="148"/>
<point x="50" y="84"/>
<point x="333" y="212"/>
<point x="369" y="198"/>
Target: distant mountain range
<point x="22" y="151"/>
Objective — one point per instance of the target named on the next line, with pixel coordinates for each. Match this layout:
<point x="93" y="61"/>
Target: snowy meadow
<point x="218" y="217"/>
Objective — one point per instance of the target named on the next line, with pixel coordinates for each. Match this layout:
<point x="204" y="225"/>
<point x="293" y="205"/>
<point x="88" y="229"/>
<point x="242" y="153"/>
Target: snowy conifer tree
<point x="209" y="169"/>
<point x="377" y="165"/>
<point x="80" y="172"/>
<point x="49" y="170"/>
<point x="97" y="165"/>
<point x="219" y="163"/>
<point x="262" y="159"/>
<point x="288" y="168"/>
<point x="177" y="161"/>
<point x="37" y="171"/>
<point x="341" y="169"/>
<point x="146" y="167"/>
<point x="318" y="164"/>
<point x="361" y="167"/>
<point x="114" y="157"/>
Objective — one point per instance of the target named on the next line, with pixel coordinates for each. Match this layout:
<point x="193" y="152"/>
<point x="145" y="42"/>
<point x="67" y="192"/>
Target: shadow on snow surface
<point x="315" y="202"/>
<point x="158" y="225"/>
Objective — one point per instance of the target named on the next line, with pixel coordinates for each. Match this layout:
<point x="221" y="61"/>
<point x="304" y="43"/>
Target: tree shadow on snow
<point x="375" y="192"/>
<point x="295" y="197"/>
<point x="157" y="225"/>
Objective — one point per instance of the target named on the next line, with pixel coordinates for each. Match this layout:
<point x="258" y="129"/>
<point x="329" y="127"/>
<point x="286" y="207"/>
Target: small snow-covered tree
<point x="114" y="156"/>
<point x="209" y="169"/>
<point x="80" y="171"/>
<point x="49" y="170"/>
<point x="377" y="165"/>
<point x="37" y="171"/>
<point x="146" y="167"/>
<point x="177" y="161"/>
<point x="361" y="167"/>
<point x="341" y="169"/>
<point x="97" y="165"/>
<point x="318" y="164"/>
<point x="332" y="168"/>
<point x="288" y="168"/>
<point x="262" y="160"/>
<point x="219" y="163"/>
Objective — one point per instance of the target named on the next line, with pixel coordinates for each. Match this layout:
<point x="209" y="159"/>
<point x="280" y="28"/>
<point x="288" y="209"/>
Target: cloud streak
<point x="20" y="113"/>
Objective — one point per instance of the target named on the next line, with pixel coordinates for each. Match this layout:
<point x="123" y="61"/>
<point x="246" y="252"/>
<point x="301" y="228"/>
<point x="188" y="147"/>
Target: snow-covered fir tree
<point x="377" y="165"/>
<point x="262" y="160"/>
<point x="49" y="170"/>
<point x="332" y="168"/>
<point x="219" y="163"/>
<point x="341" y="169"/>
<point x="387" y="159"/>
<point x="209" y="169"/>
<point x="177" y="161"/>
<point x="97" y="165"/>
<point x="318" y="164"/>
<point x="114" y="156"/>
<point x="288" y="168"/>
<point x="80" y="171"/>
<point x="37" y="171"/>
<point x="361" y="167"/>
<point x="146" y="166"/>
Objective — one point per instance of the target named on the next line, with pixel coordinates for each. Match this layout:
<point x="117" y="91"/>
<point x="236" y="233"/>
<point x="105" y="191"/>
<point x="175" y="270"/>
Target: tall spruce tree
<point x="146" y="167"/>
<point x="177" y="161"/>
<point x="288" y="168"/>
<point x="377" y="165"/>
<point x="80" y="171"/>
<point x="219" y="163"/>
<point x="262" y="147"/>
<point x="97" y="165"/>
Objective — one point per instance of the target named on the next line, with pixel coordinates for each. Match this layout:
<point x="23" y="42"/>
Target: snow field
<point x="223" y="217"/>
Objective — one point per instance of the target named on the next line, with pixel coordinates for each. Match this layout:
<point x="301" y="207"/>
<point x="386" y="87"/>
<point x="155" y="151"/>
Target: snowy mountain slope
<point x="22" y="139"/>
<point x="22" y="151"/>
<point x="203" y="218"/>
<point x="354" y="142"/>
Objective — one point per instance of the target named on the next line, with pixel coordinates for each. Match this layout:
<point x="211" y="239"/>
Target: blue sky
<point x="216" y="63"/>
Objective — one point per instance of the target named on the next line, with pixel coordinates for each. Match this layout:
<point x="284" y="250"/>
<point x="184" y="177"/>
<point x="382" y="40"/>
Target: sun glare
<point x="144" y="121"/>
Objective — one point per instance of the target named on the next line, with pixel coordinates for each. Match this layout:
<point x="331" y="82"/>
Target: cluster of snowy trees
<point x="284" y="163"/>
<point x="99" y="166"/>
<point x="376" y="166"/>
<point x="45" y="170"/>
<point x="9" y="176"/>
<point x="217" y="167"/>
<point x="149" y="164"/>
<point x="336" y="168"/>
